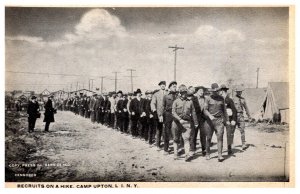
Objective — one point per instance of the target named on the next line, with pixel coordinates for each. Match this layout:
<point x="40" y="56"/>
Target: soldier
<point x="157" y="109"/>
<point x="135" y="109"/>
<point x="199" y="102"/>
<point x="150" y="126"/>
<point x="130" y="97"/>
<point x="112" y="100"/>
<point x="92" y="108"/>
<point x="32" y="111"/>
<point x="167" y="113"/>
<point x="185" y="120"/>
<point x="119" y="111"/>
<point x="107" y="110"/>
<point x="241" y="106"/>
<point x="232" y="116"/>
<point x="97" y="108"/>
<point x="215" y="111"/>
<point x="125" y="114"/>
<point x="49" y="113"/>
<point x="86" y="107"/>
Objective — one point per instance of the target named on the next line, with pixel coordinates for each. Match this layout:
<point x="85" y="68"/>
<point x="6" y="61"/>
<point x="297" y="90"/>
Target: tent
<point x="275" y="105"/>
<point x="254" y="98"/>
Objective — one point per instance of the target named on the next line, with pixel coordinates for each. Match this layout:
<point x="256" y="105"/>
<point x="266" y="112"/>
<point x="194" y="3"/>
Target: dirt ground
<point x="77" y="150"/>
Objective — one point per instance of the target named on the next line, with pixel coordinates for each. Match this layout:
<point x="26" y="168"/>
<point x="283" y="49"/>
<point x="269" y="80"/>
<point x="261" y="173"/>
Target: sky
<point x="219" y="44"/>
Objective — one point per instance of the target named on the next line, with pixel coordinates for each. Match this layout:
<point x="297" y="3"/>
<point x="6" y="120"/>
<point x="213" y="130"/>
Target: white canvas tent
<point x="275" y="105"/>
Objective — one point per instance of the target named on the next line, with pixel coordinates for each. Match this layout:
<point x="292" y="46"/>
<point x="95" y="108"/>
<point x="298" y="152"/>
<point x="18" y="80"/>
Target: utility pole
<point x="92" y="84"/>
<point x="102" y="77"/>
<point x="116" y="78"/>
<point x="175" y="56"/>
<point x="257" y="71"/>
<point x="131" y="78"/>
<point x="89" y="84"/>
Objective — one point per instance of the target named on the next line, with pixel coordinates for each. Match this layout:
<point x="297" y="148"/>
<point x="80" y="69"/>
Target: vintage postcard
<point x="133" y="97"/>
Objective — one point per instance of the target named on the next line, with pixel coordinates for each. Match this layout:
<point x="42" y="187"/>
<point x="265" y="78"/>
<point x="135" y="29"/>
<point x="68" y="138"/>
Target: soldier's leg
<point x="176" y="139"/>
<point x="241" y="125"/>
<point x="33" y="123"/>
<point x="151" y="130"/>
<point x="230" y="135"/>
<point x="194" y="139"/>
<point x="159" y="127"/>
<point x="167" y="131"/>
<point x="146" y="130"/>
<point x="208" y="133"/>
<point x="219" y="127"/>
<point x="186" y="135"/>
<point x="126" y="122"/>
<point x="202" y="137"/>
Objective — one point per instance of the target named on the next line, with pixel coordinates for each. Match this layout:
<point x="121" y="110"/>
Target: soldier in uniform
<point x="92" y="108"/>
<point x="125" y="114"/>
<point x="185" y="120"/>
<point x="150" y="127"/>
<point x="32" y="111"/>
<point x="167" y="113"/>
<point x="157" y="109"/>
<point x="241" y="106"/>
<point x="112" y="100"/>
<point x="107" y="110"/>
<point x="215" y="111"/>
<point x="119" y="111"/>
<point x="130" y="97"/>
<point x="232" y="116"/>
<point x="199" y="102"/>
<point x="135" y="109"/>
<point x="97" y="109"/>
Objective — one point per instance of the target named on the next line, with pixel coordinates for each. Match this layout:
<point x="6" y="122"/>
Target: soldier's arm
<point x="153" y="103"/>
<point x="234" y="111"/>
<point x="225" y="112"/>
<point x="246" y="108"/>
<point x="205" y="110"/>
<point x="175" y="115"/>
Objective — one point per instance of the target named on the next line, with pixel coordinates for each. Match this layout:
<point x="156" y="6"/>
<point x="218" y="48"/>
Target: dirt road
<point x="77" y="150"/>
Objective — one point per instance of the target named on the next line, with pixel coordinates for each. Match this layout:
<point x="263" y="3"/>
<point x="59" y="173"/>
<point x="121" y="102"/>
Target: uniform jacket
<point x="112" y="104"/>
<point x="157" y="102"/>
<point x="241" y="105"/>
<point x="184" y="110"/>
<point x="215" y="106"/>
<point x="49" y="112"/>
<point x="168" y="102"/>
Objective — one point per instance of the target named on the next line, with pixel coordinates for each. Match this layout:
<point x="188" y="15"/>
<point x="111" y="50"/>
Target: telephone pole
<point x="102" y="77"/>
<point x="257" y="71"/>
<point x="175" y="56"/>
<point x="131" y="78"/>
<point x="92" y="84"/>
<point x="116" y="78"/>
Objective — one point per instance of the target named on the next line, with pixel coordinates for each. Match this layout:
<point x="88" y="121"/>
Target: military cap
<point x="162" y="83"/>
<point x="119" y="92"/>
<point x="138" y="91"/>
<point x="172" y="83"/>
<point x="51" y="96"/>
<point x="33" y="97"/>
<point x="130" y="94"/>
<point x="224" y="87"/>
<point x="215" y="87"/>
<point x="95" y="94"/>
<point x="182" y="88"/>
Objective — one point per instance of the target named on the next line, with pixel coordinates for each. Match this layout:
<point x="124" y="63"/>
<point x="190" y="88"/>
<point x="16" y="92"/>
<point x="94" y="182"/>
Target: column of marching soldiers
<point x="172" y="113"/>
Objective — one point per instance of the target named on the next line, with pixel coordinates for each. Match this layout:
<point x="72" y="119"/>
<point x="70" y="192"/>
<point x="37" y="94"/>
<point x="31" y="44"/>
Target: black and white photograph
<point x="148" y="94"/>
